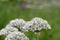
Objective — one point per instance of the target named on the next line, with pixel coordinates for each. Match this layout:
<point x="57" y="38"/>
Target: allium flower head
<point x="18" y="23"/>
<point x="16" y="36"/>
<point x="37" y="24"/>
<point x="7" y="30"/>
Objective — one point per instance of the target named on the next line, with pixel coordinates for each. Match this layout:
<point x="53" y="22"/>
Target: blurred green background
<point x="12" y="10"/>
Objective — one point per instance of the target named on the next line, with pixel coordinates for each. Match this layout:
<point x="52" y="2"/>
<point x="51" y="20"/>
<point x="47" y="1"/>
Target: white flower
<point x="16" y="36"/>
<point x="7" y="30"/>
<point x="18" y="23"/>
<point x="37" y="24"/>
<point x="27" y="26"/>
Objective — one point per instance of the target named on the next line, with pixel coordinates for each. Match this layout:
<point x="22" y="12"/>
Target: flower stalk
<point x="37" y="34"/>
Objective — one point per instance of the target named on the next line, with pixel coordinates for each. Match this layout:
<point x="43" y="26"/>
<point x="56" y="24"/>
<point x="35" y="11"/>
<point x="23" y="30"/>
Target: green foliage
<point x="10" y="11"/>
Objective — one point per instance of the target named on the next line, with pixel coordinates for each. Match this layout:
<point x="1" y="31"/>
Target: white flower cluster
<point x="7" y="30"/>
<point x="16" y="36"/>
<point x="18" y="23"/>
<point x="11" y="31"/>
<point x="14" y="25"/>
<point x="37" y="24"/>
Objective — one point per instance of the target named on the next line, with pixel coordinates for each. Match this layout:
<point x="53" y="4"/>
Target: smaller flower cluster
<point x="18" y="23"/>
<point x="7" y="30"/>
<point x="16" y="36"/>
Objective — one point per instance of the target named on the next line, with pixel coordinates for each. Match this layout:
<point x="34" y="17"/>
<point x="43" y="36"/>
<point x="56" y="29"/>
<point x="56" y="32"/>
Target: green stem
<point x="37" y="35"/>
